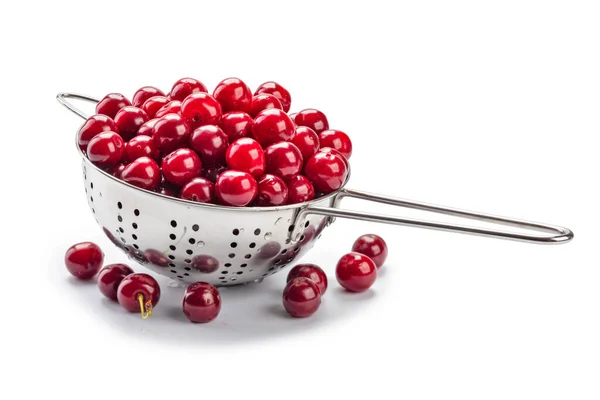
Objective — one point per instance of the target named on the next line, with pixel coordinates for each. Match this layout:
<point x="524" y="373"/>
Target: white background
<point x="491" y="106"/>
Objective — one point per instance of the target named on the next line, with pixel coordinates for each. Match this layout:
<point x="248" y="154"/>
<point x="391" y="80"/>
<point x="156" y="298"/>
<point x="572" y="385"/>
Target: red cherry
<point x="144" y="93"/>
<point x="356" y="272"/>
<point x="335" y="153"/>
<point x="157" y="258"/>
<point x="129" y="120"/>
<point x="181" y="166"/>
<point x="278" y="91"/>
<point x="312" y="272"/>
<point x="236" y="188"/>
<point x="299" y="189"/>
<point x="140" y="146"/>
<point x="148" y="128"/>
<point x="198" y="189"/>
<point x="201" y="109"/>
<point x="301" y="297"/>
<point x="272" y="126"/>
<point x="106" y="149"/>
<point x="236" y="125"/>
<point x="306" y="140"/>
<point x="110" y="277"/>
<point x="272" y="191"/>
<point x="283" y="159"/>
<point x="262" y="102"/>
<point x="337" y="140"/>
<point x="372" y="246"/>
<point x="205" y="263"/>
<point x="210" y="142"/>
<point x="312" y="118"/>
<point x="115" y="170"/>
<point x="94" y="125"/>
<point x="153" y="104"/>
<point x="186" y="86"/>
<point x="143" y="173"/>
<point x="212" y="173"/>
<point x="233" y="95"/>
<point x="326" y="171"/>
<point x="168" y="189"/>
<point x="83" y="260"/>
<point x="135" y="285"/>
<point x="111" y="104"/>
<point x="170" y="133"/>
<point x="245" y="154"/>
<point x="201" y="302"/>
<point x="172" y="107"/>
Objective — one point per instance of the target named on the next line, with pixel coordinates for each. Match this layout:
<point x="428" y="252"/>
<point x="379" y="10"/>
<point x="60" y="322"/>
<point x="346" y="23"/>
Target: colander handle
<point x="62" y="99"/>
<point x="557" y="234"/>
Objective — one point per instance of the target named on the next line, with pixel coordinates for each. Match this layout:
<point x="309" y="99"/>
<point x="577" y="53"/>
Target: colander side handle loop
<point x="555" y="234"/>
<point x="62" y="99"/>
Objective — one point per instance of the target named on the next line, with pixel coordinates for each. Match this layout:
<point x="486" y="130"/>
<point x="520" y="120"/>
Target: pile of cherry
<point x="306" y="283"/>
<point x="233" y="148"/>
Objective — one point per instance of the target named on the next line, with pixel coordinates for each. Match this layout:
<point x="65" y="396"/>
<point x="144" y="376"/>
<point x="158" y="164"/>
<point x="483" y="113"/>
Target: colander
<point x="193" y="242"/>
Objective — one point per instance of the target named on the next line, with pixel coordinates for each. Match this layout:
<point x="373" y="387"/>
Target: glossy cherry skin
<point x="233" y="95"/>
<point x="301" y="297"/>
<point x="272" y="126"/>
<point x="372" y="246"/>
<point x="283" y="159"/>
<point x="335" y="153"/>
<point x="307" y="141"/>
<point x="144" y="93"/>
<point x="205" y="263"/>
<point x="92" y="126"/>
<point x="168" y="189"/>
<point x="186" y="86"/>
<point x="115" y="170"/>
<point x="212" y="173"/>
<point x="181" y="166"/>
<point x="172" y="107"/>
<point x="278" y="91"/>
<point x="134" y="285"/>
<point x="201" y="302"/>
<point x="83" y="260"/>
<point x="236" y="188"/>
<point x="143" y="173"/>
<point x="314" y="119"/>
<point x="272" y="191"/>
<point x="236" y="124"/>
<point x="140" y="146"/>
<point x="337" y="140"/>
<point x="129" y="120"/>
<point x="110" y="277"/>
<point x="356" y="272"/>
<point x="157" y="258"/>
<point x="106" y="149"/>
<point x="111" y="104"/>
<point x="300" y="189"/>
<point x="170" y="133"/>
<point x="201" y="109"/>
<point x="153" y="104"/>
<point x="246" y="155"/>
<point x="326" y="171"/>
<point x="148" y="128"/>
<point x="198" y="189"/>
<point x="210" y="142"/>
<point x="312" y="272"/>
<point x="263" y="101"/>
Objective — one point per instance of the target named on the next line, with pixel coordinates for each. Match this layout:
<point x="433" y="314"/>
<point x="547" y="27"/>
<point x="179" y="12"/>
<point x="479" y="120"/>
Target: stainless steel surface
<point x="185" y="240"/>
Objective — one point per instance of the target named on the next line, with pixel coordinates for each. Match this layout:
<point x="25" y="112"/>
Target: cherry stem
<point x="145" y="309"/>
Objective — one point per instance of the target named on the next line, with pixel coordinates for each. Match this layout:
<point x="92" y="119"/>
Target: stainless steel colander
<point x="192" y="242"/>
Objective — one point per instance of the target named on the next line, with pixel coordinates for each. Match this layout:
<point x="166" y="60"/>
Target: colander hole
<point x="252" y="245"/>
<point x="248" y="256"/>
<point x="172" y="236"/>
<point x="319" y="237"/>
<point x="171" y="256"/>
<point x="290" y="259"/>
<point x="123" y="240"/>
<point x="171" y="265"/>
<point x="302" y="238"/>
<point x="243" y="265"/>
<point x="291" y="228"/>
<point x="307" y="224"/>
<point x="173" y="247"/>
<point x="187" y="261"/>
<point x="173" y="271"/>
<point x="121" y="230"/>
<point x="221" y="277"/>
<point x="224" y="272"/>
<point x="134" y="225"/>
<point x="233" y="244"/>
<point x="86" y="190"/>
<point x="195" y="227"/>
<point x="228" y="265"/>
<point x="236" y="232"/>
<point x="271" y="269"/>
<point x="94" y="211"/>
<point x="119" y="218"/>
<point x="283" y="251"/>
<point x="135" y="246"/>
<point x="297" y="249"/>
<point x="92" y="185"/>
<point x="192" y="240"/>
<point x="190" y="252"/>
<point x="119" y="205"/>
<point x="233" y="279"/>
<point x="240" y="272"/>
<point x="92" y="199"/>
<point x="136" y="212"/>
<point x="186" y="274"/>
<point x="174" y="224"/>
<point x="282" y="266"/>
<point x="257" y="232"/>
<point x="187" y="268"/>
<point x="231" y="255"/>
<point x="180" y="277"/>
<point x="134" y="236"/>
<point x="277" y="261"/>
<point x="100" y="194"/>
